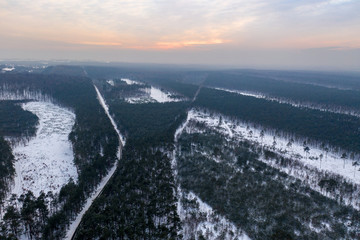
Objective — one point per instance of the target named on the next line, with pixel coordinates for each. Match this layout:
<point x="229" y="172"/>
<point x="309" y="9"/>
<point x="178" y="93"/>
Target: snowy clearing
<point x="297" y="104"/>
<point x="151" y="94"/>
<point x="131" y="82"/>
<point x="111" y="82"/>
<point x="45" y="163"/>
<point x="8" y="69"/>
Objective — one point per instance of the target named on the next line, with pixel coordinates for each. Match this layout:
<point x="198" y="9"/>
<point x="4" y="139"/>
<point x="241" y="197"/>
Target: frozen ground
<point x="299" y="104"/>
<point x="45" y="163"/>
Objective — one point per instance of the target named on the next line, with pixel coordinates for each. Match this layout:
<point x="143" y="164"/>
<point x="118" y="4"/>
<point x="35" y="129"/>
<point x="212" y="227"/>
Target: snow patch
<point x="111" y="82"/>
<point x="131" y="82"/>
<point x="8" y="69"/>
<point x="45" y="163"/>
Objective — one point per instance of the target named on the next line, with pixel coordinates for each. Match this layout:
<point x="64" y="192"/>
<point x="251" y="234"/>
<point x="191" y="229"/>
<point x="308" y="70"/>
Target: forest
<point x="248" y="187"/>
<point x="15" y="122"/>
<point x="295" y="91"/>
<point x="140" y="198"/>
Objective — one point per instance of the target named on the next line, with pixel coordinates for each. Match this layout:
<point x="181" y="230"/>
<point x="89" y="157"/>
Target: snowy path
<point x="45" y="163"/>
<point x="74" y="224"/>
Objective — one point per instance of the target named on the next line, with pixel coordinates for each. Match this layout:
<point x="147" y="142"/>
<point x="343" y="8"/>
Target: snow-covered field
<point x="45" y="163"/>
<point x="298" y="104"/>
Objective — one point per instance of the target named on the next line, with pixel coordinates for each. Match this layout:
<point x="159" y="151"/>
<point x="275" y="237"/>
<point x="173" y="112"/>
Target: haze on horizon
<point x="306" y="34"/>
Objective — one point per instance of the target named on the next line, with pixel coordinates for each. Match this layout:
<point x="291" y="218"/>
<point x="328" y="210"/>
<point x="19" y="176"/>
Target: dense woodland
<point x="341" y="80"/>
<point x="295" y="91"/>
<point x="331" y="128"/>
<point x="7" y="170"/>
<point x="138" y="202"/>
<point x="15" y="122"/>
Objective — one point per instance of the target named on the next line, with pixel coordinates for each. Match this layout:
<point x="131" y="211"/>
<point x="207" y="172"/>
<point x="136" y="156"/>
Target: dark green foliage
<point x="15" y="122"/>
<point x="336" y="129"/>
<point x="138" y="202"/>
<point x="150" y="123"/>
<point x="65" y="70"/>
<point x="296" y="91"/>
<point x="7" y="170"/>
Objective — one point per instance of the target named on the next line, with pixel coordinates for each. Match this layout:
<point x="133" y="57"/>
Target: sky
<point x="283" y="34"/>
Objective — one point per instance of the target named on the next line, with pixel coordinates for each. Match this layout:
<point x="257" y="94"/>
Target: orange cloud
<point x="181" y="44"/>
<point x="100" y="43"/>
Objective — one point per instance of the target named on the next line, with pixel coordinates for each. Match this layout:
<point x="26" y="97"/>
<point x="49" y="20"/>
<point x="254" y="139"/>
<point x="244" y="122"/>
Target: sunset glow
<point x="204" y="27"/>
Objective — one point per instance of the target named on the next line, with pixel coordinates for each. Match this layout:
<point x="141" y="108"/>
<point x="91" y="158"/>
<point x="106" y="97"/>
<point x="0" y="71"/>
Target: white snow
<point x="111" y="82"/>
<point x="8" y="69"/>
<point x="45" y="163"/>
<point x="151" y="94"/>
<point x="161" y="96"/>
<point x="131" y="82"/>
<point x="75" y="223"/>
